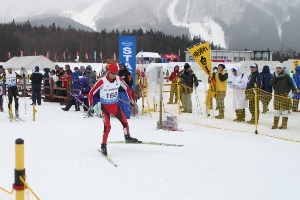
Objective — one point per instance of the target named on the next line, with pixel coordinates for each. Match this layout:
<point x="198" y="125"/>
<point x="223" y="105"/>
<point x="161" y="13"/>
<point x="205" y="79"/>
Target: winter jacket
<point x="267" y="76"/>
<point x="90" y="75"/>
<point x="174" y="75"/>
<point x="36" y="78"/>
<point x="238" y="85"/>
<point x="188" y="80"/>
<point x="297" y="77"/>
<point x="221" y="81"/>
<point x="254" y="77"/>
<point x="65" y="79"/>
<point x="282" y="83"/>
<point x="75" y="76"/>
<point x="126" y="75"/>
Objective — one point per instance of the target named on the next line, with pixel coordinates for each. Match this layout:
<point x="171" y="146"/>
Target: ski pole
<point x="77" y="99"/>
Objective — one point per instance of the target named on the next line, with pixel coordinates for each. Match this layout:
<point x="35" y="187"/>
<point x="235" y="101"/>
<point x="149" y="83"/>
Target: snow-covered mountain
<point x="235" y="24"/>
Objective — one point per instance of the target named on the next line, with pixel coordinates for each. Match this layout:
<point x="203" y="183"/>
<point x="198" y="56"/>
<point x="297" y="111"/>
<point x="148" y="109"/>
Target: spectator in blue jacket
<point x="297" y="82"/>
<point x="267" y="90"/>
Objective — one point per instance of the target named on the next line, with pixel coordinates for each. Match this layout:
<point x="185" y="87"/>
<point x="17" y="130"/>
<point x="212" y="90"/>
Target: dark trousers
<point x="72" y="102"/>
<point x="36" y="94"/>
<point x="13" y="94"/>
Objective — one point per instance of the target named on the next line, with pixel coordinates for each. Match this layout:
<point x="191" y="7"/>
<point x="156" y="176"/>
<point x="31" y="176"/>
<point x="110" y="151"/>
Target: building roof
<point x="28" y="62"/>
<point x="147" y="55"/>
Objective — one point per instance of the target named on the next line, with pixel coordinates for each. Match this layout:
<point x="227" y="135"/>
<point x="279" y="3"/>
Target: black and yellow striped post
<point x="19" y="169"/>
<point x="178" y="96"/>
<point x="256" y="104"/>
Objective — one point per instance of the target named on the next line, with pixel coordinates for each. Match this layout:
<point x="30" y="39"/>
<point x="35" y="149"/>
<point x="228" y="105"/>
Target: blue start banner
<point x="127" y="54"/>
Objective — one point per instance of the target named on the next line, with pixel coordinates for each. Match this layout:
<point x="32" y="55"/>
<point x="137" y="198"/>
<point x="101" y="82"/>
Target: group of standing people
<point x="244" y="88"/>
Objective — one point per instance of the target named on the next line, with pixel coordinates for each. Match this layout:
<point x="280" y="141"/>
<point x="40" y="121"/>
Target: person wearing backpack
<point x="266" y="89"/>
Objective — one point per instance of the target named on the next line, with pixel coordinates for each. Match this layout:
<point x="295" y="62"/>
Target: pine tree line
<point x="65" y="44"/>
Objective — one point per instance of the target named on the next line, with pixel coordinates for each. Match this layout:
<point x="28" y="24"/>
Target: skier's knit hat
<point x="37" y="68"/>
<point x="222" y="65"/>
<point x="113" y="68"/>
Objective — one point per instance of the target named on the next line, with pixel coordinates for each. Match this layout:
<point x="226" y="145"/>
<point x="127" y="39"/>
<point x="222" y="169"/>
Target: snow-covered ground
<point x="62" y="161"/>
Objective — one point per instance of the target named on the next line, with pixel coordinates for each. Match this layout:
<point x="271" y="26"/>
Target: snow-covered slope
<point x="62" y="161"/>
<point x="217" y="21"/>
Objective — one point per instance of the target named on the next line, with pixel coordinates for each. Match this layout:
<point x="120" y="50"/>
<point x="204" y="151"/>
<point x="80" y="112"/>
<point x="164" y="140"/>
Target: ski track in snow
<point x="62" y="161"/>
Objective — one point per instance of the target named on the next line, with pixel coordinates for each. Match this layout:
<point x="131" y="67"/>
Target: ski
<point x="108" y="159"/>
<point x="149" y="143"/>
<point x="20" y="119"/>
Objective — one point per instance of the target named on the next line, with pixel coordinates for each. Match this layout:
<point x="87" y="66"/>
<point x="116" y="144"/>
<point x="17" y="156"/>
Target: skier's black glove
<point x="132" y="104"/>
<point x="90" y="111"/>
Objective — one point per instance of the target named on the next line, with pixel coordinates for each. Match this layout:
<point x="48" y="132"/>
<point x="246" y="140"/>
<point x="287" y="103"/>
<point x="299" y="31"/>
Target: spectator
<point x="297" y="82"/>
<point x="283" y="84"/>
<point x="221" y="87"/>
<point x="46" y="82"/>
<point x="2" y="84"/>
<point x="255" y="78"/>
<point x="66" y="78"/>
<point x="266" y="89"/>
<point x="174" y="91"/>
<point x="25" y="81"/>
<point x="187" y="80"/>
<point x="85" y="89"/>
<point x="238" y="85"/>
<point x="57" y="69"/>
<point x="54" y="77"/>
<point x="68" y="69"/>
<point x="36" y="85"/>
<point x="212" y="88"/>
<point x="89" y="74"/>
<point x="82" y="71"/>
<point x="123" y="99"/>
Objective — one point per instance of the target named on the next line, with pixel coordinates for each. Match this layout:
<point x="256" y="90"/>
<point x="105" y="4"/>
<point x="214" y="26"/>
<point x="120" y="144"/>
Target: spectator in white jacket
<point x="238" y="85"/>
<point x="24" y="74"/>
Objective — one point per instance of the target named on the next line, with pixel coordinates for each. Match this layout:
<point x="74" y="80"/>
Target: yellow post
<point x="178" y="96"/>
<point x="255" y="108"/>
<point x="33" y="112"/>
<point x="10" y="113"/>
<point x="19" y="169"/>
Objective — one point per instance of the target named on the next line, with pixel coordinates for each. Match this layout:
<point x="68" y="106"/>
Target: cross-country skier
<point x="12" y="90"/>
<point x="108" y="87"/>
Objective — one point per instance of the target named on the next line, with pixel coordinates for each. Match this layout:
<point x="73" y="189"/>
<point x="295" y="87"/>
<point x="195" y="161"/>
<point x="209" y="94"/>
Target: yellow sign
<point x="296" y="63"/>
<point x="201" y="53"/>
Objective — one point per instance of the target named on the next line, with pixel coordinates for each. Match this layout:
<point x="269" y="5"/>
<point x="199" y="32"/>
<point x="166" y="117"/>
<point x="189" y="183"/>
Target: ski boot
<point x="17" y="114"/>
<point x="130" y="139"/>
<point x="104" y="149"/>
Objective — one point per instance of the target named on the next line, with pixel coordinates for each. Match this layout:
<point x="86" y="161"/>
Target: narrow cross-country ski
<point x="149" y="143"/>
<point x="17" y="119"/>
<point x="108" y="159"/>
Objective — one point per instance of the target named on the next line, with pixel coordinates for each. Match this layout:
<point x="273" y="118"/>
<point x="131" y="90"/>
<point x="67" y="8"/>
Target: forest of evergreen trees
<point x="64" y="44"/>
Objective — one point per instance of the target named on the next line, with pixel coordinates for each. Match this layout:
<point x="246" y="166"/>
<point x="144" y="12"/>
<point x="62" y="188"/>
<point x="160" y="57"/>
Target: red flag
<point x="21" y="53"/>
<point x="77" y="55"/>
<point x="47" y="54"/>
<point x="101" y="55"/>
<point x="115" y="58"/>
<point x="8" y="55"/>
<point x="86" y="56"/>
<point x="179" y="53"/>
<point x="55" y="56"/>
<point x="64" y="55"/>
<point x="34" y="53"/>
<point x="171" y="57"/>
